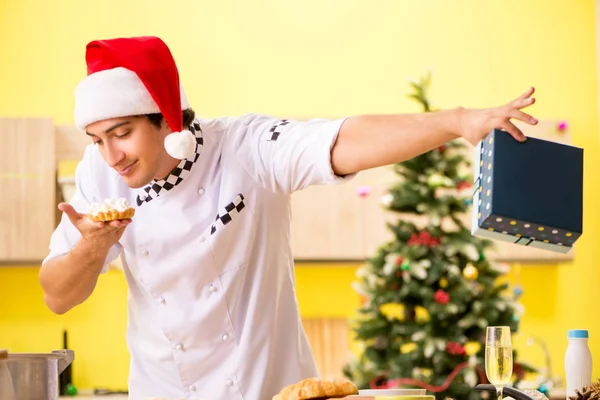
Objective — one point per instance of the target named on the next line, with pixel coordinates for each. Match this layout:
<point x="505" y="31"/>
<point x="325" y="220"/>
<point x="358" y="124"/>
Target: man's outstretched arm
<point x="371" y="141"/>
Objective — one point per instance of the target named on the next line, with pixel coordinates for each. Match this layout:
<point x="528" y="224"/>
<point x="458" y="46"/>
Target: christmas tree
<point x="429" y="295"/>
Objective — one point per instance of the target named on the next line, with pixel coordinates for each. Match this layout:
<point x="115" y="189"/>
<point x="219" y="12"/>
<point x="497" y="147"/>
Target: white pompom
<point x="180" y="144"/>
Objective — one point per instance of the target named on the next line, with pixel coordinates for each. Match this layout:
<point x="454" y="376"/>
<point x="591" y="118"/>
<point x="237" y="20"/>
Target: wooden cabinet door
<point x="335" y="223"/>
<point x="27" y="188"/>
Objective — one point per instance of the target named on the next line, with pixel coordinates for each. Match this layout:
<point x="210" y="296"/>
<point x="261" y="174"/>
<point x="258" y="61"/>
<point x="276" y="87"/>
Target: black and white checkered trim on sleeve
<point x="183" y="169"/>
<point x="230" y="211"/>
<point x="277" y="129"/>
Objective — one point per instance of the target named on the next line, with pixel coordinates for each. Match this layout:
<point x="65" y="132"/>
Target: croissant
<point x="317" y="389"/>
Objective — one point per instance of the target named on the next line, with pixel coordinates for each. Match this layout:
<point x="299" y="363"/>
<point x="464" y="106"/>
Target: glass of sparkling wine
<point x="498" y="357"/>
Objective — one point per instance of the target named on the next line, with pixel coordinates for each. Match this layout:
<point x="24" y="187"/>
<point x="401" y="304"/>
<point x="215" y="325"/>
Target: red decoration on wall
<point x="363" y="191"/>
<point x="562" y="126"/>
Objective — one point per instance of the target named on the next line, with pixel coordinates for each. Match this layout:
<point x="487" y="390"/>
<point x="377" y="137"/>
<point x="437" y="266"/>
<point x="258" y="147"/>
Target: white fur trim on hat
<point x="114" y="93"/>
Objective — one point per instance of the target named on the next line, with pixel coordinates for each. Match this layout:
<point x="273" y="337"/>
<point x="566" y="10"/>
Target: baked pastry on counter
<point x="110" y="210"/>
<point x="317" y="389"/>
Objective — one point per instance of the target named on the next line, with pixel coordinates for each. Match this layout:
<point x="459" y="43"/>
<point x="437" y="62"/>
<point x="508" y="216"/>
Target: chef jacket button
<point x="193" y="388"/>
<point x="225" y="337"/>
<point x="162" y="300"/>
<point x="178" y="346"/>
<point x="229" y="382"/>
<point x="201" y="191"/>
<point x="145" y="252"/>
<point x="202" y="239"/>
<point x="213" y="288"/>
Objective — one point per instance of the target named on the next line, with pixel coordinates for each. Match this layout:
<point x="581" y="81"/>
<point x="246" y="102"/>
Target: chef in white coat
<point x="207" y="258"/>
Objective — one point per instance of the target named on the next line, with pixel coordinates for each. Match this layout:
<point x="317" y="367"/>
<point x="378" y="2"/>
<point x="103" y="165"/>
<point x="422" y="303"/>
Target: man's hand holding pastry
<point x="104" y="224"/>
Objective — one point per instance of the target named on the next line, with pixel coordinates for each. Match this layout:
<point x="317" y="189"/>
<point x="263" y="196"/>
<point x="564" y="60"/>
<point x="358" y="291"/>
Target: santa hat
<point x="134" y="76"/>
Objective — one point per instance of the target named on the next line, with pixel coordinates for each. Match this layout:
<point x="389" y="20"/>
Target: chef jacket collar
<point x="183" y="169"/>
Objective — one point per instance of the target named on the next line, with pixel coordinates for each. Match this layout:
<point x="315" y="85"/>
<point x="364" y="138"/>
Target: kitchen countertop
<point x="558" y="394"/>
<point x="555" y="394"/>
<point x="96" y="397"/>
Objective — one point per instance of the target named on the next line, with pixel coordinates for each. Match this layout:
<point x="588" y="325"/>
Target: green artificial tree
<point x="429" y="294"/>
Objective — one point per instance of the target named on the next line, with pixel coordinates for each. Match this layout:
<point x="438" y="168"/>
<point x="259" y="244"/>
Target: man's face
<point x="134" y="147"/>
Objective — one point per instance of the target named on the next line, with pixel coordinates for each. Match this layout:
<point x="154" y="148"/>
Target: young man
<point x="207" y="258"/>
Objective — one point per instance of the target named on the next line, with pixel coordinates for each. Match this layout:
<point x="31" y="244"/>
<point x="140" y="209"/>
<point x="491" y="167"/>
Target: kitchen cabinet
<point x="335" y="223"/>
<point x="27" y="188"/>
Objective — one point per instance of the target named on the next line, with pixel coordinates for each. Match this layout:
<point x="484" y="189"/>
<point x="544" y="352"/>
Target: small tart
<point x="111" y="210"/>
<point x="112" y="215"/>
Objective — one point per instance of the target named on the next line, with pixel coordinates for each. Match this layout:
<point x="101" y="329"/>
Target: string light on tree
<point x="387" y="199"/>
<point x="405" y="265"/>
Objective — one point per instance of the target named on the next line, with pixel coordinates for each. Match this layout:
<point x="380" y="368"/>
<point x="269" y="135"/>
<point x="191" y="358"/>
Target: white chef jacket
<point x="211" y="304"/>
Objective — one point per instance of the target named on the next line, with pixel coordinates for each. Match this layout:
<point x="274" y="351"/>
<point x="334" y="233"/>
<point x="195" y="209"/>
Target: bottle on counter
<point x="578" y="361"/>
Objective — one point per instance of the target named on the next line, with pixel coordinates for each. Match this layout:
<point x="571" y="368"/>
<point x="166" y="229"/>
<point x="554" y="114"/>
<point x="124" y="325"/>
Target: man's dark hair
<point x="187" y="115"/>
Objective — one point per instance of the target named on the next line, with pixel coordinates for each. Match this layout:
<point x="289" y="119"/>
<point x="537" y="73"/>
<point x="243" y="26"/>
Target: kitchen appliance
<point x="32" y="376"/>
<point x="65" y="379"/>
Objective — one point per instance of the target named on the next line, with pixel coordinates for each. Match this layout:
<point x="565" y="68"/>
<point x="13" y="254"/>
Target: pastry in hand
<point x="314" y="388"/>
<point x="111" y="210"/>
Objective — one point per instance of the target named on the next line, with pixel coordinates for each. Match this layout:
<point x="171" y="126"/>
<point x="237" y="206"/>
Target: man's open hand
<point x="102" y="234"/>
<point x="476" y="124"/>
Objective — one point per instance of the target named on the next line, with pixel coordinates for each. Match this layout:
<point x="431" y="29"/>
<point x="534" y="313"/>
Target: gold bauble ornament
<point x="470" y="272"/>
<point x="392" y="311"/>
<point x="472" y="348"/>
<point x="408" y="347"/>
<point x="421" y="314"/>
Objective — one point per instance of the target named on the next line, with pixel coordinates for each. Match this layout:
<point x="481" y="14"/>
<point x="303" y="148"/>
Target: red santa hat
<point x="134" y="76"/>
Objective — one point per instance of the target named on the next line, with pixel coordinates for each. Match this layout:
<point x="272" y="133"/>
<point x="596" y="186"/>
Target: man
<point x="207" y="258"/>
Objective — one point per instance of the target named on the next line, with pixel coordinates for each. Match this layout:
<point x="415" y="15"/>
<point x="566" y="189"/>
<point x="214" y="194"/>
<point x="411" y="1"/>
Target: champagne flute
<point x="498" y="357"/>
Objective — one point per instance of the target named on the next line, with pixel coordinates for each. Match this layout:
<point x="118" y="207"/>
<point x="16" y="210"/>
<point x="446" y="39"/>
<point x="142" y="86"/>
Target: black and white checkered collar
<point x="183" y="169"/>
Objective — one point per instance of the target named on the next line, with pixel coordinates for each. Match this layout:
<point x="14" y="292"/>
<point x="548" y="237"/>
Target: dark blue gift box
<point x="529" y="193"/>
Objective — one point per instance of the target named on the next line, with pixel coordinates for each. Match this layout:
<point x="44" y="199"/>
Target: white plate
<point x="393" y="392"/>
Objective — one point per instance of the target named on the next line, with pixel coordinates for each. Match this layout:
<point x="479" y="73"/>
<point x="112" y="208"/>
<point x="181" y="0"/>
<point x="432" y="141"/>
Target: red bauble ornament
<point x="455" y="349"/>
<point x="423" y="238"/>
<point x="519" y="371"/>
<point x="463" y="185"/>
<point x="441" y="297"/>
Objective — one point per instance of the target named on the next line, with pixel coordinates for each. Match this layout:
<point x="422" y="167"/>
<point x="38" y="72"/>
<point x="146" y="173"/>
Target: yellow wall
<point x="313" y="58"/>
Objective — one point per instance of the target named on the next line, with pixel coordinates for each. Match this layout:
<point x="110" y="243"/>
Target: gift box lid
<point x="536" y="182"/>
